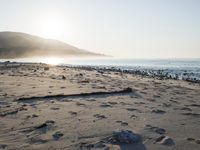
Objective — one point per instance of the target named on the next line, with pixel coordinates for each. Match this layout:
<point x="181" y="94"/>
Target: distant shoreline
<point x="159" y="74"/>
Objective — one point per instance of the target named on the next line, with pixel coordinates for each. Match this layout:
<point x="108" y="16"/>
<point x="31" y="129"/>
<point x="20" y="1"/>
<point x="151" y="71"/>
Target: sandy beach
<point x="48" y="107"/>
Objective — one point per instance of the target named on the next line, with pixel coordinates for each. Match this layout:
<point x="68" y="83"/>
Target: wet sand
<point x="48" y="107"/>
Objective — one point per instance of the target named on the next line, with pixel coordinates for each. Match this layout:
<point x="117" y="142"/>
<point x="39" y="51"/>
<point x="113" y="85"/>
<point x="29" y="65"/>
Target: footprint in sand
<point x="155" y="129"/>
<point x="80" y="104"/>
<point x="112" y="103"/>
<point x="105" y="105"/>
<point x="54" y="108"/>
<point x="166" y="105"/>
<point x="183" y="108"/>
<point x="91" y="100"/>
<point x="34" y="140"/>
<point x="133" y="109"/>
<point x="195" y="105"/>
<point x="73" y="113"/>
<point x="99" y="116"/>
<point x="122" y="123"/>
<point x="192" y="114"/>
<point x="158" y="111"/>
<point x="133" y="116"/>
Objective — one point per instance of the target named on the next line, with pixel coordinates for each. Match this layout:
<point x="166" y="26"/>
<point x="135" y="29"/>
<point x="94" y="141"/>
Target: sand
<point x="49" y="107"/>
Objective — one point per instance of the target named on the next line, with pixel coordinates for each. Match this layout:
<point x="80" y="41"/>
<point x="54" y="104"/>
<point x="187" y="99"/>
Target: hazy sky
<point x="122" y="28"/>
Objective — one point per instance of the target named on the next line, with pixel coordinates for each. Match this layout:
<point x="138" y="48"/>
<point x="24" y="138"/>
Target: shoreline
<point x="159" y="74"/>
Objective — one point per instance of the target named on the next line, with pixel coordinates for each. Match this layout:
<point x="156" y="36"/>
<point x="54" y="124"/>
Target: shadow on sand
<point x="136" y="146"/>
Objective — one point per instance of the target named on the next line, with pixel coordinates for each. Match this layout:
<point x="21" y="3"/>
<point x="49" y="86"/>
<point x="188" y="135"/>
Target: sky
<point x="121" y="28"/>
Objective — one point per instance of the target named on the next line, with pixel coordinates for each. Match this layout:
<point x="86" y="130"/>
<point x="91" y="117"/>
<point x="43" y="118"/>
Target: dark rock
<point x="197" y="141"/>
<point x="57" y="135"/>
<point x="165" y="140"/>
<point x="124" y="136"/>
<point x="2" y="146"/>
<point x="190" y="139"/>
<point x="63" y="77"/>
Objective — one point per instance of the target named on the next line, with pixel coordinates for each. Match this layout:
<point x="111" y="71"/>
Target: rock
<point x="197" y="141"/>
<point x="124" y="136"/>
<point x="2" y="146"/>
<point x="190" y="139"/>
<point x="165" y="140"/>
<point x="63" y="77"/>
<point x="57" y="135"/>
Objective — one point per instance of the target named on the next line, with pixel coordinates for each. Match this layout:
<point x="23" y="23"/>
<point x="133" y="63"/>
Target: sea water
<point x="180" y="68"/>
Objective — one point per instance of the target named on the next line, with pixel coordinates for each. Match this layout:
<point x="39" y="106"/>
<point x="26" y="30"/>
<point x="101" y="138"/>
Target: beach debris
<point x="123" y="91"/>
<point x="57" y="135"/>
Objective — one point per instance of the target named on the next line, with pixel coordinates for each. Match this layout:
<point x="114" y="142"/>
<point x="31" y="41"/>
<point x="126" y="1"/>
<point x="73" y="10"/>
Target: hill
<point x="22" y="45"/>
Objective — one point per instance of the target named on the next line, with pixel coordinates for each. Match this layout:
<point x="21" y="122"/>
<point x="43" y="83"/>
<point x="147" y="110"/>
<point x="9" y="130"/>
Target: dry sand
<point x="46" y="107"/>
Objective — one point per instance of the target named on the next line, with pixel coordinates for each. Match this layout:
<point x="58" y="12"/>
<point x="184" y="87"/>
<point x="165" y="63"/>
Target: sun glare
<point x="52" y="61"/>
<point x="51" y="26"/>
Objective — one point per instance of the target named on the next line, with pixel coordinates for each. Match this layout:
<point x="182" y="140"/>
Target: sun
<point x="51" y="26"/>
